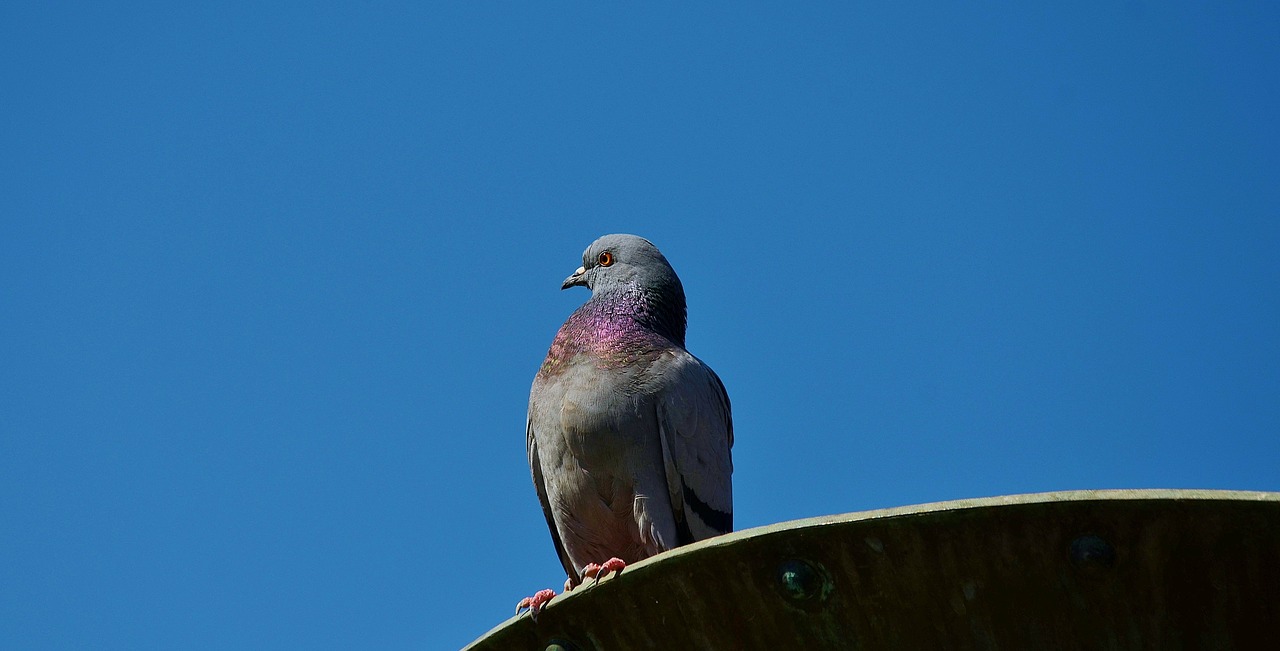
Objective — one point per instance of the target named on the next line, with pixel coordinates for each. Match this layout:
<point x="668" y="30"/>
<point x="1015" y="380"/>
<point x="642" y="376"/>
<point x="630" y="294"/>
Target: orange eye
<point x="605" y="259"/>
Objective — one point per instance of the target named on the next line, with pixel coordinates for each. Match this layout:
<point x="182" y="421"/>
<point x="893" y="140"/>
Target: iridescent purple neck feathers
<point x="620" y="327"/>
<point x="618" y="313"/>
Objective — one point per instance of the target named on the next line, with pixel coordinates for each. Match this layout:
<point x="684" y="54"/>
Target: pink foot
<point x="596" y="572"/>
<point x="535" y="603"/>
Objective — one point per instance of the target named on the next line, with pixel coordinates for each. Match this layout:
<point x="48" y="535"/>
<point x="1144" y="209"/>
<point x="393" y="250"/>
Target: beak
<point x="578" y="279"/>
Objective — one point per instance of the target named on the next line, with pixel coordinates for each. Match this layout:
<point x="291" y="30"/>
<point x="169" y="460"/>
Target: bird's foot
<point x="597" y="572"/>
<point x="535" y="603"/>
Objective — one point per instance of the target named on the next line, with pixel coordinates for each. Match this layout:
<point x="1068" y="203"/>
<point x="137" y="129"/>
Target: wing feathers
<point x="696" y="433"/>
<point x="540" y="484"/>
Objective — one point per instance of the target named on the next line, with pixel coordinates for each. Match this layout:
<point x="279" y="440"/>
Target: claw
<point x="597" y="572"/>
<point x="535" y="603"/>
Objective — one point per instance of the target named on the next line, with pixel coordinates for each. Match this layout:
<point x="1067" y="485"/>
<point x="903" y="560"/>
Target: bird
<point x="629" y="436"/>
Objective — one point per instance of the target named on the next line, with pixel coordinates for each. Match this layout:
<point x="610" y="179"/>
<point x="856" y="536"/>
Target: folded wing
<point x="697" y="435"/>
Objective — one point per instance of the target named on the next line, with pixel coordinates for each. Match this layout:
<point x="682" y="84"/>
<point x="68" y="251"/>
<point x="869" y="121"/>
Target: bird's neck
<point x="621" y="313"/>
<point x="618" y="328"/>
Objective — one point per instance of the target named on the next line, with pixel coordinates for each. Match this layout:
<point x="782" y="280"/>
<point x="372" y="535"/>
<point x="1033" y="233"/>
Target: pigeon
<point x="629" y="435"/>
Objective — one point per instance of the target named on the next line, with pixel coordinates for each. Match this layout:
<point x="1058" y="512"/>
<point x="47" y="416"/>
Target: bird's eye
<point x="605" y="259"/>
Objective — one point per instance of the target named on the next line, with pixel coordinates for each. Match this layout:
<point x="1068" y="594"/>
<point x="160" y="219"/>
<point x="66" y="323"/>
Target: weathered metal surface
<point x="1143" y="569"/>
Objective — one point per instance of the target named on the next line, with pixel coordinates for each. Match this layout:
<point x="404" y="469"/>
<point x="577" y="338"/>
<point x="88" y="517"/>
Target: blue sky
<point x="275" y="281"/>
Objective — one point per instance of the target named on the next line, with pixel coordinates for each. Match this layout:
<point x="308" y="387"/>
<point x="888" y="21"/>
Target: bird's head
<point x="625" y="262"/>
<point x="628" y="275"/>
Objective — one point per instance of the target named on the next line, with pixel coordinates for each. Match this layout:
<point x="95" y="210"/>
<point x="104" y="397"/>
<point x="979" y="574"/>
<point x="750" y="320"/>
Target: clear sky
<point x="275" y="281"/>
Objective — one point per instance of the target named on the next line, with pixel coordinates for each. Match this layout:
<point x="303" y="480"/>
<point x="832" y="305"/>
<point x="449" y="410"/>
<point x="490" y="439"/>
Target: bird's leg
<point x="596" y="572"/>
<point x="535" y="603"/>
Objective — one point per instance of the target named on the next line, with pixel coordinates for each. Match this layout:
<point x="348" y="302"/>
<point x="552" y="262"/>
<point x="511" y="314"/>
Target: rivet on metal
<point x="802" y="581"/>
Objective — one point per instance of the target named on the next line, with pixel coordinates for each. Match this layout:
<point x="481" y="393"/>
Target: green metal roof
<point x="1123" y="569"/>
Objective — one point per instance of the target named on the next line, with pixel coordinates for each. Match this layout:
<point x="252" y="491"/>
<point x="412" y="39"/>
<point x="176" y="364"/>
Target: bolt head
<point x="801" y="580"/>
